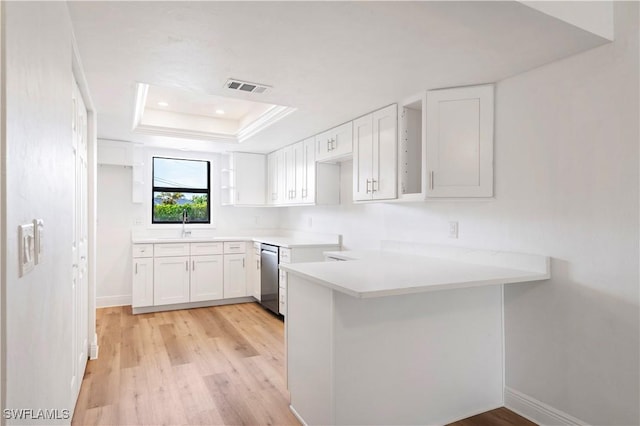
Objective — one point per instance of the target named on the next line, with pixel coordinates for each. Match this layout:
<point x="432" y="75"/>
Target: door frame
<point x="92" y="163"/>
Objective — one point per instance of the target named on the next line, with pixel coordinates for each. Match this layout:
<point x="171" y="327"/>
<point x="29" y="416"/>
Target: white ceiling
<point x="333" y="61"/>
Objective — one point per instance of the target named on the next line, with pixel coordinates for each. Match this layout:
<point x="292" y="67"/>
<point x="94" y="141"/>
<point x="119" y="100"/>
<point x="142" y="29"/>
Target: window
<point x="180" y="186"/>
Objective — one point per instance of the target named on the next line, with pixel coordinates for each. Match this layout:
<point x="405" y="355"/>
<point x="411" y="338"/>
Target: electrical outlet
<point x="453" y="230"/>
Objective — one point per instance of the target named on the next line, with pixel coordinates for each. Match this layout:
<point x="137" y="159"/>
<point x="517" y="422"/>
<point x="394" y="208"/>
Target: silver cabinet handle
<point x="186" y="265"/>
<point x="257" y="263"/>
<point x="368" y="183"/>
<point x="136" y="268"/>
<point x="333" y="144"/>
<point x="373" y="185"/>
<point x="237" y="196"/>
<point x="243" y="262"/>
<point x="431" y="176"/>
<point x="193" y="265"/>
<point x="328" y="145"/>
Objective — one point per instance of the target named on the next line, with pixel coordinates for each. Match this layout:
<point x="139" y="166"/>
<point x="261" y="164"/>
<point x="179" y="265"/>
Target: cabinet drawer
<point x="234" y="247"/>
<point x="285" y="255"/>
<point x="143" y="250"/>
<point x="173" y="249"/>
<point x="205" y="248"/>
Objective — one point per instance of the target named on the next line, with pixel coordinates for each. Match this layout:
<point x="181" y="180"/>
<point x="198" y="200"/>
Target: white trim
<point x="190" y="305"/>
<point x="271" y="116"/>
<point x="141" y="99"/>
<point x="108" y="301"/>
<point x="150" y="129"/>
<point x="94" y="348"/>
<point x="537" y="411"/>
<point x="297" y="415"/>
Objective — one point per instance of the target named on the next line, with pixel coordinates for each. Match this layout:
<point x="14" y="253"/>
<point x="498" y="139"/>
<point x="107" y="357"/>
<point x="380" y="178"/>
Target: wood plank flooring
<point x="206" y="366"/>
<point x="222" y="365"/>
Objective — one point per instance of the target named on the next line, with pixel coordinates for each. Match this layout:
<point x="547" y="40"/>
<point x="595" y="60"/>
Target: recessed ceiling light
<point x="163" y="104"/>
<point x="220" y="111"/>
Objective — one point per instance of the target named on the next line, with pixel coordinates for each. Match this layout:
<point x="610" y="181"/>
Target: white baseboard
<point x="107" y="301"/>
<point x="537" y="411"/>
<point x="297" y="415"/>
<point x="93" y="349"/>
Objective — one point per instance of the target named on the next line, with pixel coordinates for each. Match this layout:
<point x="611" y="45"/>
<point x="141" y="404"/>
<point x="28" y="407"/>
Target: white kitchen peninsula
<point x="400" y="338"/>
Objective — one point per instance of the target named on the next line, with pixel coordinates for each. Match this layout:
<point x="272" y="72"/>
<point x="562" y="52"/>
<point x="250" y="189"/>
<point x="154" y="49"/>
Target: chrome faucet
<point x="185" y="217"/>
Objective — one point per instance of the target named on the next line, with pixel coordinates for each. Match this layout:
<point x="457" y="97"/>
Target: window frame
<point x="155" y="189"/>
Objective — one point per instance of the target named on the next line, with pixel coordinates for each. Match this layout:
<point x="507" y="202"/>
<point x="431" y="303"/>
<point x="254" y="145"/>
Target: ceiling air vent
<point x="245" y="86"/>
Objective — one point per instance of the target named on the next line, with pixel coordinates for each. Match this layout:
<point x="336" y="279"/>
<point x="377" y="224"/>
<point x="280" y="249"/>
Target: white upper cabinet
<point x="459" y="155"/>
<point x="308" y="171"/>
<point x="375" y="155"/>
<point x="275" y="182"/>
<point x="294" y="178"/>
<point x="335" y="144"/>
<point x="243" y="177"/>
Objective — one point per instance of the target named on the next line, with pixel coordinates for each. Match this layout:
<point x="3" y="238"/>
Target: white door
<point x="385" y="151"/>
<point x="206" y="278"/>
<point x="363" y="158"/>
<point x="170" y="280"/>
<point x="460" y="142"/>
<point x="142" y="282"/>
<point x="235" y="277"/>
<point x="79" y="245"/>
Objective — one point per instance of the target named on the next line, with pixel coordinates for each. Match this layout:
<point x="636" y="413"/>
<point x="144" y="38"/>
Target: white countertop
<point x="379" y="273"/>
<point x="288" y="242"/>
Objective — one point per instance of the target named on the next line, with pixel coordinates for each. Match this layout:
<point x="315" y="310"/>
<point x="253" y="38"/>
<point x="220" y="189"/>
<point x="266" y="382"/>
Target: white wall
<point x="567" y="186"/>
<point x="39" y="173"/>
<point x="118" y="218"/>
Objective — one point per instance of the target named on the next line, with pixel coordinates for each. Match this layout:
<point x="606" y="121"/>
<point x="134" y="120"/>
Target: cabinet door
<point x="171" y="280"/>
<point x="362" y="157"/>
<point x="335" y="143"/>
<point x="253" y="272"/>
<point x="460" y="142"/>
<point x="142" y="291"/>
<point x="299" y="170"/>
<point x="235" y="278"/>
<point x="249" y="175"/>
<point x="308" y="188"/>
<point x="272" y="178"/>
<point x="342" y="140"/>
<point x="206" y="278"/>
<point x="290" y="174"/>
<point x="385" y="151"/>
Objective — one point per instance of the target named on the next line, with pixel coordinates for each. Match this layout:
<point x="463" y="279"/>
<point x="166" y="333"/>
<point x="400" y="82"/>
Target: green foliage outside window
<point x="169" y="209"/>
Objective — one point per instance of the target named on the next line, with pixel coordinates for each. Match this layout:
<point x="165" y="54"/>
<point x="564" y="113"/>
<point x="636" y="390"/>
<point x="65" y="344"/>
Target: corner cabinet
<point x="459" y="154"/>
<point x="375" y="149"/>
<point x="242" y="179"/>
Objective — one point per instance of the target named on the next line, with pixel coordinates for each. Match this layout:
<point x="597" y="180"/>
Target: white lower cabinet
<point x="253" y="273"/>
<point x="176" y="273"/>
<point x="171" y="282"/>
<point x="142" y="290"/>
<point x="206" y="278"/>
<point x="235" y="278"/>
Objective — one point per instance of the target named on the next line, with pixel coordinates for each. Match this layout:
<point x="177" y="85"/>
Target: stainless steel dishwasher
<point x="269" y="258"/>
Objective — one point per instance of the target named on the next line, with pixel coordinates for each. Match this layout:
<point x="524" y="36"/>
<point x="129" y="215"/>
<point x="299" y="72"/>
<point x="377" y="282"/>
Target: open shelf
<point x="412" y="138"/>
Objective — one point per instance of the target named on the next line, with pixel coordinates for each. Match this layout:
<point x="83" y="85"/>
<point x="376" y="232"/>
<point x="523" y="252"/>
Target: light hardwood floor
<point x="208" y="366"/>
<point x="222" y="365"/>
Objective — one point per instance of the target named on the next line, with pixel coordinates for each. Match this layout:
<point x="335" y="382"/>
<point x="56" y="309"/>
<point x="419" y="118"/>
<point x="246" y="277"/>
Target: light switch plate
<point x="453" y="230"/>
<point x="26" y="248"/>
<point x="39" y="236"/>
